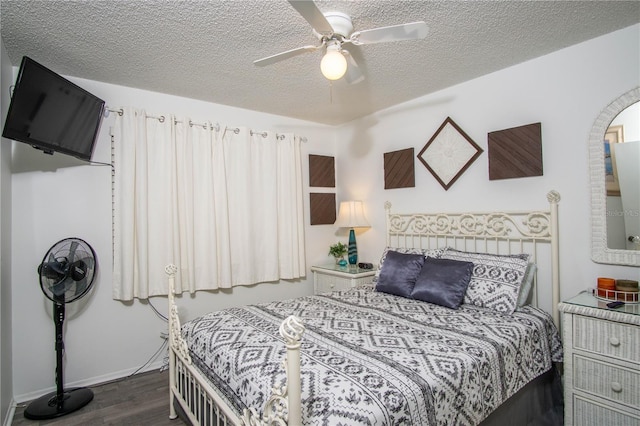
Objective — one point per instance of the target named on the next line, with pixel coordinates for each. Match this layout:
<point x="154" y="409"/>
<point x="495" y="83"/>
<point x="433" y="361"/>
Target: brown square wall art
<point x="322" y="171"/>
<point x="399" y="169"/>
<point x="322" y="208"/>
<point x="515" y="152"/>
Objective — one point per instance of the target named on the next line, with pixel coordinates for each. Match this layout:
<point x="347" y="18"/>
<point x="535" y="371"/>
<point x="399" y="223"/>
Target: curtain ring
<point x="263" y="134"/>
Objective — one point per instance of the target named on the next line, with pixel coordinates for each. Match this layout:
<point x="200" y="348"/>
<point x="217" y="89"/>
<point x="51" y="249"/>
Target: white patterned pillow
<point x="404" y="250"/>
<point x="496" y="279"/>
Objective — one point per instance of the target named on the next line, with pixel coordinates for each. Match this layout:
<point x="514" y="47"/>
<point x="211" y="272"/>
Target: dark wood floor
<point x="142" y="399"/>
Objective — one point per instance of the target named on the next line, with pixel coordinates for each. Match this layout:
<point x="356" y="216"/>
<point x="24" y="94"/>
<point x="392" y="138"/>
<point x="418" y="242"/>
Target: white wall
<point x="565" y="91"/>
<point x="105" y="338"/>
<point x="6" y="375"/>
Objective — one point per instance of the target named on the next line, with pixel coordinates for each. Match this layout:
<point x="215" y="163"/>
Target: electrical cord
<point x="163" y="346"/>
<point x="99" y="163"/>
<point x="165" y="319"/>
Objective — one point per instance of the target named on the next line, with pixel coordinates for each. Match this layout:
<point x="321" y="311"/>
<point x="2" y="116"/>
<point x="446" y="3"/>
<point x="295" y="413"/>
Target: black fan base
<point x="46" y="406"/>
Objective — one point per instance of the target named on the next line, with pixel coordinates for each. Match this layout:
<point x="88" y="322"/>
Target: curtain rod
<point x="215" y="127"/>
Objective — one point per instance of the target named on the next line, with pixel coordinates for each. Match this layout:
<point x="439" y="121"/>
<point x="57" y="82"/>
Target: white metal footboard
<point x="199" y="400"/>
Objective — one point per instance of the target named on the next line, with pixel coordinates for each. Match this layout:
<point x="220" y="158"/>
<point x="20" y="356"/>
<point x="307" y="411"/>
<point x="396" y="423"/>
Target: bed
<point x="478" y="354"/>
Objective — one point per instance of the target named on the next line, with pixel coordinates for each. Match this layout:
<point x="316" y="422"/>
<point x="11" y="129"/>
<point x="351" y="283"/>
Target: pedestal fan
<point x="66" y="274"/>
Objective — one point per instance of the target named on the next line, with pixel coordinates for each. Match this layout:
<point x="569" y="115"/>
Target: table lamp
<point x="351" y="215"/>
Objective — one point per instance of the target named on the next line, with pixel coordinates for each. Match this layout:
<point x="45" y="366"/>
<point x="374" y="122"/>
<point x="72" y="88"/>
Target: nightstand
<point x="601" y="362"/>
<point x="328" y="278"/>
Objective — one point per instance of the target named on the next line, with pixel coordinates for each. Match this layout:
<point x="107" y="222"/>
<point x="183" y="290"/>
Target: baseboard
<point x="93" y="381"/>
<point x="8" y="418"/>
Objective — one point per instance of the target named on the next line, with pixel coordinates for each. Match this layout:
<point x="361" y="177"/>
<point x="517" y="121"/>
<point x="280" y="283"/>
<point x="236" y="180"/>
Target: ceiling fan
<point x="333" y="29"/>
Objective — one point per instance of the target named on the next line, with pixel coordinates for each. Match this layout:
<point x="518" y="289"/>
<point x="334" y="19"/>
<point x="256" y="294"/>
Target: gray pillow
<point x="443" y="282"/>
<point x="405" y="250"/>
<point x="399" y="272"/>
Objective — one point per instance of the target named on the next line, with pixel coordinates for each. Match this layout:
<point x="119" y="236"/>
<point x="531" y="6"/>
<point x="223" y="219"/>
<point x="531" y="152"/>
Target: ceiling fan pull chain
<point x="330" y="92"/>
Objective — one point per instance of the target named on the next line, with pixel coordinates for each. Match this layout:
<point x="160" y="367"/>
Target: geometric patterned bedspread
<point x="370" y="358"/>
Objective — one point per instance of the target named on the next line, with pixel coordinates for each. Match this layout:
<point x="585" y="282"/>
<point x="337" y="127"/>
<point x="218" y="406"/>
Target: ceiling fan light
<point x="333" y="65"/>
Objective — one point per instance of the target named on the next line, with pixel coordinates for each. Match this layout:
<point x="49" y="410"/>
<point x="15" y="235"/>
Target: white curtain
<point x="224" y="205"/>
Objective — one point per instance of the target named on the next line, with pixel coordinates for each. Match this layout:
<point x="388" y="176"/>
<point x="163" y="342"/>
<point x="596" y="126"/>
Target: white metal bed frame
<point x="494" y="232"/>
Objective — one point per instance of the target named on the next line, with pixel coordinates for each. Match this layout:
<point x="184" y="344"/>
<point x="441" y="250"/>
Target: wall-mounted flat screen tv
<point x="51" y="113"/>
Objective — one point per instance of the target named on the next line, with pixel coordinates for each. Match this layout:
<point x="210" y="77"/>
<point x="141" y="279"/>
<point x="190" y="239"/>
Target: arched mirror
<point x="614" y="163"/>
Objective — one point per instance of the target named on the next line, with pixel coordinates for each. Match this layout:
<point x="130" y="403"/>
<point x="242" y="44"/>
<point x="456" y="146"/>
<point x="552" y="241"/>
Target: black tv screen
<point x="51" y="113"/>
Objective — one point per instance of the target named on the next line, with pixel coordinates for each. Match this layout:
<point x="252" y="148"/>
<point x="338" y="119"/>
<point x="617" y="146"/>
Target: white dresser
<point x="601" y="362"/>
<point x="329" y="278"/>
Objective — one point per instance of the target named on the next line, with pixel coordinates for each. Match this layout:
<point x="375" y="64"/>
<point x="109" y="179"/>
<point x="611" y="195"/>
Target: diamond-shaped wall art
<point x="449" y="152"/>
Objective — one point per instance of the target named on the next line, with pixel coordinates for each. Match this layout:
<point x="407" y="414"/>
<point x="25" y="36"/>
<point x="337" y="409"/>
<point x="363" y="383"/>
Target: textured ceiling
<point x="205" y="49"/>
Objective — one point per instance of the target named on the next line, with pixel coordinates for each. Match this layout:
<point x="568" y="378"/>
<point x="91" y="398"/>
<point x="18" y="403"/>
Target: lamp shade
<point x="351" y="215"/>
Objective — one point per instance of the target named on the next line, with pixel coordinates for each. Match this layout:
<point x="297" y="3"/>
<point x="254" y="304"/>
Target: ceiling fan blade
<point x="354" y="73"/>
<point x="312" y="14"/>
<point x="411" y="31"/>
<point x="285" y="55"/>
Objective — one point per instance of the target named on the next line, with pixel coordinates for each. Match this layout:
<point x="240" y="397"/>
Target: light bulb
<point x="333" y="64"/>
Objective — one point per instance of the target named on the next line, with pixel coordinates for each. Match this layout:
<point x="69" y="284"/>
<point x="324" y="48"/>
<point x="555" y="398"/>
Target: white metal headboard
<point x="488" y="232"/>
